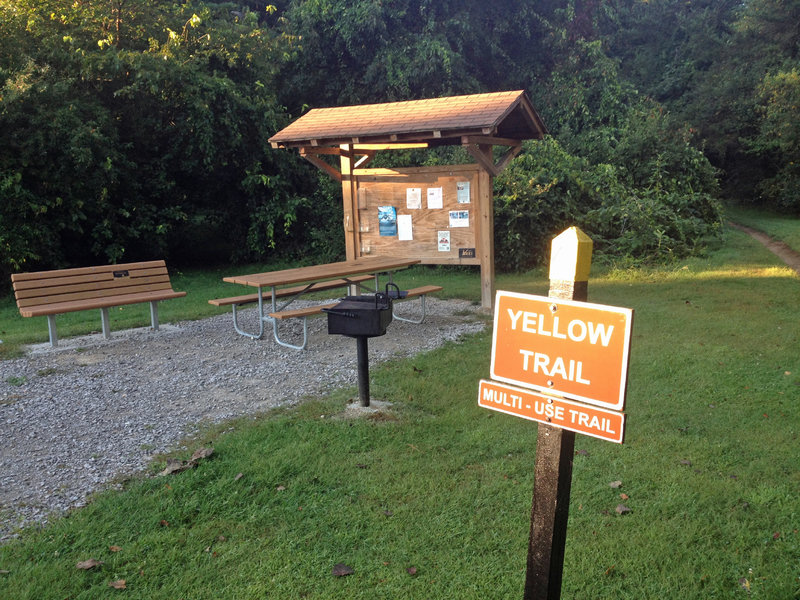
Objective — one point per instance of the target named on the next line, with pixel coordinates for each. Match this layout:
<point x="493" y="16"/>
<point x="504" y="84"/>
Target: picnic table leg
<point x="275" y="322"/>
<point x="287" y="344"/>
<point x="415" y="321"/>
<point x="241" y="331"/>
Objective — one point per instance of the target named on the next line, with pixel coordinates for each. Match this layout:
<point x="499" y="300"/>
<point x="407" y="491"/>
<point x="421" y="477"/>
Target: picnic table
<point x="271" y="286"/>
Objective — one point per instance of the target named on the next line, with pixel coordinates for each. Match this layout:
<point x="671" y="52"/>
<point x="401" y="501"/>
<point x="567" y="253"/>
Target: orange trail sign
<point x="574" y="349"/>
<point x="574" y="416"/>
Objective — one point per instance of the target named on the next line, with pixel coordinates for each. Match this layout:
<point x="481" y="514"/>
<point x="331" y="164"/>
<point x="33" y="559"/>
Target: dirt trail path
<point x="783" y="251"/>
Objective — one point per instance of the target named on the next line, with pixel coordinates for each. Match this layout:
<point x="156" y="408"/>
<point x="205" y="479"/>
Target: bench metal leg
<point x="415" y="321"/>
<point x="287" y="344"/>
<point x="241" y="331"/>
<point x="51" y="329"/>
<point x="104" y="321"/>
<point x="154" y="314"/>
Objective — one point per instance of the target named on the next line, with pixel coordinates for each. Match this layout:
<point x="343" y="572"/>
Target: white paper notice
<point x="404" y="228"/>
<point x="444" y="241"/>
<point x="459" y="218"/>
<point x="435" y="197"/>
<point x="462" y="192"/>
<point x="414" y="198"/>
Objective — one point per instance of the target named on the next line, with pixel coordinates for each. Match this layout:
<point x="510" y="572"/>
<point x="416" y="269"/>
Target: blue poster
<point x="387" y="220"/>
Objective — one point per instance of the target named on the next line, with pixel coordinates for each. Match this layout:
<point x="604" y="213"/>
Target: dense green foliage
<point x="139" y="131"/>
<point x="726" y="67"/>
<point x="549" y="189"/>
<point x="133" y="129"/>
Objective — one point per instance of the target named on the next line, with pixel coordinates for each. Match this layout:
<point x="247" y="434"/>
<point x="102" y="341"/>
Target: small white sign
<point x="435" y="198"/>
<point x="404" y="232"/>
<point x="459" y="218"/>
<point x="462" y="192"/>
<point x="414" y="198"/>
<point x="444" y="241"/>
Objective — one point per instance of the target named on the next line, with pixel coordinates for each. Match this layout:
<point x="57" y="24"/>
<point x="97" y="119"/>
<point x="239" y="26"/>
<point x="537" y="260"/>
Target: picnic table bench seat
<point x="421" y="293"/>
<point x="316" y="309"/>
<point x="50" y="293"/>
<point x="308" y="311"/>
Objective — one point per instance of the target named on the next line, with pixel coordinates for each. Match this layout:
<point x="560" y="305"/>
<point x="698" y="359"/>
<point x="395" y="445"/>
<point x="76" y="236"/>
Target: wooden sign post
<point x="570" y="263"/>
<point x="575" y="356"/>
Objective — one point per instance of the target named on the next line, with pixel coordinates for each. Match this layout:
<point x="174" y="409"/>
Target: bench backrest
<point x="66" y="285"/>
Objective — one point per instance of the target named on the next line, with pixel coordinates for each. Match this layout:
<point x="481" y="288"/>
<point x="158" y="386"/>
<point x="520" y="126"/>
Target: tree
<point x="725" y="101"/>
<point x="132" y="129"/>
<point x="352" y="52"/>
<point x="778" y="138"/>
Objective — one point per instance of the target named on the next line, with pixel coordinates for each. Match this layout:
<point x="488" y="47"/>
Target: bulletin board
<point x="434" y="214"/>
<point x="437" y="215"/>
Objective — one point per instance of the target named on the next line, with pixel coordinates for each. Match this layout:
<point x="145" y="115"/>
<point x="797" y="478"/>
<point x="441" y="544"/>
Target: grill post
<point x="363" y="369"/>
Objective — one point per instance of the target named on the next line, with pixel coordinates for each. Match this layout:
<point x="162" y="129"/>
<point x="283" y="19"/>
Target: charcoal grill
<point x="362" y="317"/>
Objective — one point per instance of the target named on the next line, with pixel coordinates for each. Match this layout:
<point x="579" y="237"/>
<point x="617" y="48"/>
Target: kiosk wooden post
<point x="485" y="241"/>
<point x="349" y="202"/>
<point x="570" y="262"/>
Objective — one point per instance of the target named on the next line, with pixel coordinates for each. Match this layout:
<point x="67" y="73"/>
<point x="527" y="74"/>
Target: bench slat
<point x="88" y="304"/>
<point x="81" y="271"/>
<point x="246" y="299"/>
<point x="89" y="278"/>
<point x="422" y="290"/>
<point x="93" y="294"/>
<point x="116" y="286"/>
<point x="290" y="291"/>
<point x="301" y="312"/>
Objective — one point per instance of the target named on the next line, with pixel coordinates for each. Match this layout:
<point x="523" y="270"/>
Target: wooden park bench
<point x="49" y="293"/>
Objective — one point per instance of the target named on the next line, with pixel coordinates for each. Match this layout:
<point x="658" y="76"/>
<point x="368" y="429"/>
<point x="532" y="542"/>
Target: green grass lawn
<point x="779" y="226"/>
<point x="431" y="499"/>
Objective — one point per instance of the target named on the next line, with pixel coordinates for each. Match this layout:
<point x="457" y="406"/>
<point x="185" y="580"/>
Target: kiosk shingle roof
<point x="500" y="114"/>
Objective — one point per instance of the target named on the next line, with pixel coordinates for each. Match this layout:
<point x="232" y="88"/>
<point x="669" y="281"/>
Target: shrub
<point x="546" y="189"/>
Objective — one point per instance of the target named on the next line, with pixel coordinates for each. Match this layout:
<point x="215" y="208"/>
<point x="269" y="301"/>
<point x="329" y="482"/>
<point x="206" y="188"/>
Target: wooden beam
<point x="555" y="448"/>
<point x="364" y="160"/>
<point x="391" y="146"/>
<point x="320" y="150"/>
<point x="483" y="154"/>
<point x="510" y="154"/>
<point x="485" y="139"/>
<point x="321" y="164"/>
